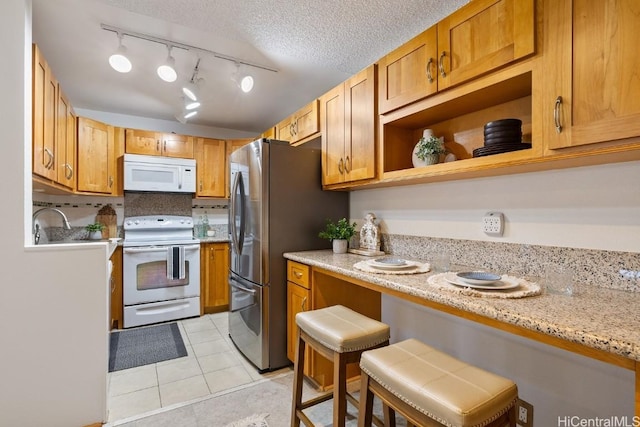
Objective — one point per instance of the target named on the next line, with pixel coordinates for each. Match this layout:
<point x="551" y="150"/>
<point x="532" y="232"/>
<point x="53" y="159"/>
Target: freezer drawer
<point x="246" y="323"/>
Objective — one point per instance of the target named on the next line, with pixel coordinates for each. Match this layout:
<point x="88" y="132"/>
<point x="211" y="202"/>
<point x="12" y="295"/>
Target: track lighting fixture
<point x="243" y="81"/>
<point x="119" y="60"/>
<point x="167" y="71"/>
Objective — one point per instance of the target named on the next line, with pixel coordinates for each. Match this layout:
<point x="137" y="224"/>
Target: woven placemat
<point x="525" y="288"/>
<point x="419" y="268"/>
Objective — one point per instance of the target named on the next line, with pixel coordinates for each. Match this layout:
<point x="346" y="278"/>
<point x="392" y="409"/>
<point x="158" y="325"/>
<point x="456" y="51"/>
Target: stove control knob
<point x="128" y="222"/>
<point x="136" y="222"/>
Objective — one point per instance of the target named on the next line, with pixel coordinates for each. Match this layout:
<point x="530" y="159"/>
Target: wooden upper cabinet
<point x="177" y="146"/>
<point x="360" y="125"/>
<point x="409" y="73"/>
<point x="348" y="120"/>
<point x="301" y="125"/>
<point x="96" y="157"/>
<point x="284" y="130"/>
<point x="591" y="57"/>
<point x="66" y="143"/>
<point x="45" y="106"/>
<point x="483" y="36"/>
<point x="158" y="144"/>
<point x="269" y="133"/>
<point x="307" y="121"/>
<point x="211" y="167"/>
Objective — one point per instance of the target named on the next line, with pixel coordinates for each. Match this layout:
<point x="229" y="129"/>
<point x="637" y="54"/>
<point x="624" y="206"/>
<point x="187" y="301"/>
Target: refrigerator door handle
<point x="238" y="237"/>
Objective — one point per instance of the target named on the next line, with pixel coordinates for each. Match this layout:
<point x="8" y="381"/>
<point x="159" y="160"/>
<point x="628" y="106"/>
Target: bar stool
<point x="431" y="388"/>
<point x="338" y="334"/>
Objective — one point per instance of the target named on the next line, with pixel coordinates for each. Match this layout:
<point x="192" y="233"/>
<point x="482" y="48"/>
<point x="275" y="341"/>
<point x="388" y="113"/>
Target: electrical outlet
<point x="524" y="413"/>
<point x="493" y="224"/>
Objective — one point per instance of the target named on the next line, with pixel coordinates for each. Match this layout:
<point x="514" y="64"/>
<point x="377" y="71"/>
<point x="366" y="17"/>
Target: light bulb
<point x="246" y="84"/>
<point x="190" y="114"/>
<point x="119" y="61"/>
<point x="166" y="71"/>
<point x="192" y="105"/>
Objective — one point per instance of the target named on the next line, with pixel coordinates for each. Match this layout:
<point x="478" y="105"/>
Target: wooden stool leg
<point x="389" y="415"/>
<point x="365" y="408"/>
<point x="298" y="378"/>
<point x="339" y="390"/>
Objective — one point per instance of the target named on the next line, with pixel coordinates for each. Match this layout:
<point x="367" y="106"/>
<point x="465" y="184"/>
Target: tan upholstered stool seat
<point x="342" y="330"/>
<point x="339" y="335"/>
<point x="440" y="386"/>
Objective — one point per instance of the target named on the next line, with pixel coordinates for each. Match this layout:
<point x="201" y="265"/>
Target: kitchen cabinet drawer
<point x="298" y="273"/>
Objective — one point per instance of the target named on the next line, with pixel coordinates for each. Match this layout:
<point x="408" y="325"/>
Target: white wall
<point x="594" y="207"/>
<point x="53" y="314"/>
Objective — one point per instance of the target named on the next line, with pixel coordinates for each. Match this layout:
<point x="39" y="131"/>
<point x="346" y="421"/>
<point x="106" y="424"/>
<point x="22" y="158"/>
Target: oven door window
<point x="153" y="275"/>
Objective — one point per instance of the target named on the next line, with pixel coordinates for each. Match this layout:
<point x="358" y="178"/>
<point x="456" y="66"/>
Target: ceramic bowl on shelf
<point x="478" y="277"/>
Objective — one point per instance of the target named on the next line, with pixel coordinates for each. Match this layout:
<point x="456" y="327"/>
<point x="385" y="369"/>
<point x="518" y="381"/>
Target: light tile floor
<point x="212" y="364"/>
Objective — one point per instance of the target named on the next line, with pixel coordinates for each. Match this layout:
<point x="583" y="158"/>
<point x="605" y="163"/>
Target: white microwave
<point x="162" y="174"/>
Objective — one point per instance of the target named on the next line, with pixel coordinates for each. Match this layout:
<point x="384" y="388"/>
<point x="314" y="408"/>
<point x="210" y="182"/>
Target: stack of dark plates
<point x="501" y="136"/>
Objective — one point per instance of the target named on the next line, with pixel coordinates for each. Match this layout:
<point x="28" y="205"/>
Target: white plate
<point x="375" y="264"/>
<point x="478" y="277"/>
<point x="505" y="283"/>
<point x="391" y="261"/>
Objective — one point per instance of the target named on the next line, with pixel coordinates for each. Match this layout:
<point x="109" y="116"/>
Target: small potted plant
<point x="428" y="150"/>
<point x="339" y="234"/>
<point x="95" y="231"/>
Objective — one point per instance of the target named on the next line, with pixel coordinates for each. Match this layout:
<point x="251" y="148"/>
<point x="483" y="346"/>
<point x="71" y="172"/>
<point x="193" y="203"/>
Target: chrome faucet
<point x="36" y="227"/>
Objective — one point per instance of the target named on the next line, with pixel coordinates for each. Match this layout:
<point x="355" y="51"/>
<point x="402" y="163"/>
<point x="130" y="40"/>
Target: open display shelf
<point x="459" y="115"/>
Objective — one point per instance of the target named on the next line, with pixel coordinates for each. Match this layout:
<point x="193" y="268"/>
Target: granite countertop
<point x="596" y="317"/>
<point x="218" y="238"/>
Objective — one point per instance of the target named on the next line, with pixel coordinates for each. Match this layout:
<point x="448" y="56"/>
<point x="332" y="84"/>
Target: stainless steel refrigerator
<point x="277" y="205"/>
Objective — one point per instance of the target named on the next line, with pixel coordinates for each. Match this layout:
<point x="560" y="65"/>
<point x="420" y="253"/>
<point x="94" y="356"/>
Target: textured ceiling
<point x="314" y="45"/>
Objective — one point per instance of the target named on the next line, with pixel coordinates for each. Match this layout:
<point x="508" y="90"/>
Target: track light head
<point x="192" y="105"/>
<point x="119" y="60"/>
<point x="243" y="81"/>
<point x="246" y="84"/>
<point x="167" y="71"/>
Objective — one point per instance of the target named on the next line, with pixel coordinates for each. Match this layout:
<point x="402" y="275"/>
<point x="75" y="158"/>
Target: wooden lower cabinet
<point x="214" y="269"/>
<point x="297" y="301"/>
<point x="115" y="282"/>
<point x="324" y="290"/>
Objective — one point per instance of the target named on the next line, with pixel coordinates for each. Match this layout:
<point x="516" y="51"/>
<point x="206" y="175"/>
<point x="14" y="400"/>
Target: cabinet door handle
<point x="556" y="114"/>
<point x="347" y="165"/>
<point x="304" y="301"/>
<point x="157" y="145"/>
<point x="429" y="76"/>
<point x="113" y="284"/>
<point x="51" y="157"/>
<point x="441" y="64"/>
<point x="200" y="185"/>
<point x="341" y="166"/>
<point x="69" y="171"/>
<point x="164" y="147"/>
<point x="297" y="274"/>
<point x="110" y="181"/>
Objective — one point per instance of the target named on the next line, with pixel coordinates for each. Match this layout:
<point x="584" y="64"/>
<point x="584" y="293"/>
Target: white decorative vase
<point x="431" y="159"/>
<point x="95" y="235"/>
<point x="340" y="246"/>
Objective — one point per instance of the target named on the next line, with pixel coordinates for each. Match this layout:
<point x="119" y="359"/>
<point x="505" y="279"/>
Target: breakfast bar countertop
<point x="594" y="317"/>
